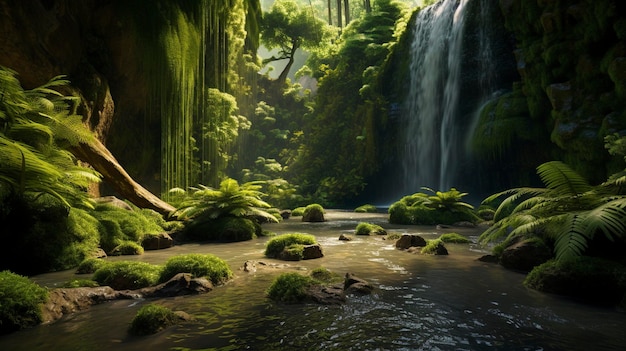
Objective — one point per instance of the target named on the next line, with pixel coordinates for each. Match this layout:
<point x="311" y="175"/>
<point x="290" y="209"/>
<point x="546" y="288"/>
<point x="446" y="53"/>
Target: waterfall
<point x="453" y="70"/>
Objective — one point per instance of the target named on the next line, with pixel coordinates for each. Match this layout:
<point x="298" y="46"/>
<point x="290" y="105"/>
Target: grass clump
<point x="290" y="287"/>
<point x="21" y="301"/>
<point x="455" y="238"/>
<point x="278" y="243"/>
<point x="369" y="228"/>
<point x="152" y="318"/>
<point x="128" y="275"/>
<point x="210" y="266"/>
<point x="366" y="209"/>
<point x="127" y="248"/>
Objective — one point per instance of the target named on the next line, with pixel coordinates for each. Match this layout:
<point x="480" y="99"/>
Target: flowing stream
<point x="420" y="302"/>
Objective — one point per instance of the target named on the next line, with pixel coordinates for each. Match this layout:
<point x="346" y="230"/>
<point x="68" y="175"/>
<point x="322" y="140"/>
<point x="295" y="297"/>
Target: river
<point x="420" y="302"/>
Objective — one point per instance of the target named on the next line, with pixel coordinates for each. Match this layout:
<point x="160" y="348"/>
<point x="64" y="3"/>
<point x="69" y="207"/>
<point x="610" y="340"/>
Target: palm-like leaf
<point x="561" y="178"/>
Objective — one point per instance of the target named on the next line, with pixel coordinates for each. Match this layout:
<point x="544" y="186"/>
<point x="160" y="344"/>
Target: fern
<point x="561" y="178"/>
<point x="572" y="240"/>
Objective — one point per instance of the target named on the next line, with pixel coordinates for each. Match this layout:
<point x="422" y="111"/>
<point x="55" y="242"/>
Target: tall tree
<point x="288" y="27"/>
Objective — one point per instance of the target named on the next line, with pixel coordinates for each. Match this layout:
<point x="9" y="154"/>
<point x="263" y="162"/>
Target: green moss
<point x="393" y="236"/>
<point x="366" y="209"/>
<point x="224" y="229"/>
<point x="433" y="247"/>
<point x="90" y="265"/>
<point x="278" y="243"/>
<point x="297" y="212"/>
<point x="591" y="279"/>
<point x="454" y="238"/>
<point x="369" y="228"/>
<point x="124" y="275"/>
<point x="290" y="287"/>
<point x="152" y="318"/>
<point x="21" y="301"/>
<point x="127" y="248"/>
<point x="79" y="283"/>
<point x="313" y="213"/>
<point x="199" y="265"/>
<point x="322" y="274"/>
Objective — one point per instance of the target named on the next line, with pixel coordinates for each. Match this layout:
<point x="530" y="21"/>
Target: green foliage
<point x="366" y="209"/>
<point x="454" y="238"/>
<point x="369" y="228"/>
<point x="122" y="275"/>
<point x="276" y="244"/>
<point x="568" y="212"/>
<point x="290" y="287"/>
<point x="440" y="208"/>
<point x="90" y="265"/>
<point x="152" y="318"/>
<point x="325" y="275"/>
<point x="199" y="265"/>
<point x="21" y="301"/>
<point x="231" y="199"/>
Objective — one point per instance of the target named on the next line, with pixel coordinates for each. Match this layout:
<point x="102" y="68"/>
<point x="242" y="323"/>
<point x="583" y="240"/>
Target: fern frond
<point x="516" y="195"/>
<point x="561" y="178"/>
<point x="609" y="218"/>
<point x="571" y="241"/>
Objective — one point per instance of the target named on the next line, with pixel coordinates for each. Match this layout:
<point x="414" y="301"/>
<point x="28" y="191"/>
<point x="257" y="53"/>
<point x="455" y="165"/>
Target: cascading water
<point x="454" y="68"/>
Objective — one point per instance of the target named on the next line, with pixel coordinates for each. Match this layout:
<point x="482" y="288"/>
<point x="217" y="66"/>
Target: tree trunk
<point x="368" y="6"/>
<point x="99" y="157"/>
<point x="339" y="14"/>
<point x="330" y="15"/>
<point x="347" y="10"/>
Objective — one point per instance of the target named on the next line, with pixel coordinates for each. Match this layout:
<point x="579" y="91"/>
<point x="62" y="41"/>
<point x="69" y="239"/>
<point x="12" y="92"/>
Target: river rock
<point x="525" y="255"/>
<point x="181" y="284"/>
<point x="64" y="301"/>
<point x="312" y="251"/>
<point x="326" y="295"/>
<point x="344" y="237"/>
<point x="285" y="214"/>
<point x="410" y="240"/>
<point x="355" y="285"/>
<point x="157" y="241"/>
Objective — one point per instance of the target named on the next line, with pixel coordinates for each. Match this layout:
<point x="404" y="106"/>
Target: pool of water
<point x="420" y="302"/>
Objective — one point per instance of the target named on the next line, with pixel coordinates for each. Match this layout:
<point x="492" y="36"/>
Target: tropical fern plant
<point x="36" y="128"/>
<point x="449" y="200"/>
<point x="231" y="199"/>
<point x="567" y="212"/>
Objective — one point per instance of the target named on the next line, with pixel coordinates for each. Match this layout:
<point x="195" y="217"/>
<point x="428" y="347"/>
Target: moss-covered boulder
<point x="290" y="246"/>
<point x="20" y="302"/>
<point x="364" y="228"/>
<point x="525" y="255"/>
<point x="434" y="247"/>
<point x="127" y="275"/>
<point x="313" y="213"/>
<point x="198" y="265"/>
<point x="593" y="280"/>
<point x="152" y="318"/>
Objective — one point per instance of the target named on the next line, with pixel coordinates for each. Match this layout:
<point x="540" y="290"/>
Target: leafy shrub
<point x="297" y="212"/>
<point x="90" y="265"/>
<point x="290" y="287"/>
<point x="152" y="318"/>
<point x="210" y="266"/>
<point x="276" y="244"/>
<point x="369" y="228"/>
<point x="454" y="238"/>
<point x="127" y="275"/>
<point x="440" y="208"/>
<point x="366" y="209"/>
<point x="21" y="302"/>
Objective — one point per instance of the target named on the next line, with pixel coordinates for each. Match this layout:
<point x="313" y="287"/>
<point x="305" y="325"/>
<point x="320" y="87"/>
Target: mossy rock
<point x="199" y="265"/>
<point x="369" y="229"/>
<point x="127" y="248"/>
<point x="434" y="247"/>
<point x="21" y="301"/>
<point x="290" y="287"/>
<point x="313" y="213"/>
<point x="455" y="238"/>
<point x="90" y="265"/>
<point x="366" y="209"/>
<point x="123" y="275"/>
<point x="277" y="244"/>
<point x="590" y="279"/>
<point x="151" y="319"/>
<point x="297" y="212"/>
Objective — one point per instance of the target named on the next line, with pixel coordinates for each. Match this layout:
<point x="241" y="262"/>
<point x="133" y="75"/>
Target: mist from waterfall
<point x="449" y="81"/>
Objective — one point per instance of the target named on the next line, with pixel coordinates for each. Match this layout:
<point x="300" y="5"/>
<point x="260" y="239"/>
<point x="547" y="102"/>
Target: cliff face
<point x="95" y="48"/>
<point x="571" y="56"/>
